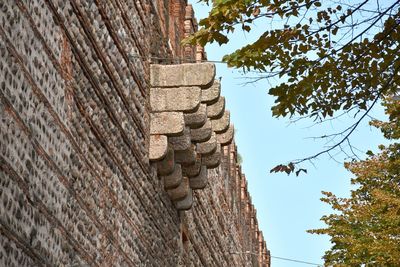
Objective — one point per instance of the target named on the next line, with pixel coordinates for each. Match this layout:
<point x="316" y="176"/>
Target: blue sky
<point x="286" y="205"/>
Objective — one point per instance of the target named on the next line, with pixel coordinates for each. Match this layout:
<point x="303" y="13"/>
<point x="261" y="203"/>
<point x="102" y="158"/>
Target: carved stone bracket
<point x="188" y="127"/>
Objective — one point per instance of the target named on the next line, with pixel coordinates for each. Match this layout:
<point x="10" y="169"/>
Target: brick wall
<point x="222" y="228"/>
<point x="77" y="188"/>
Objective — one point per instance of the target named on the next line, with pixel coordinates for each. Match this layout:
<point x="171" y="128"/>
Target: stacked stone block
<point x="188" y="127"/>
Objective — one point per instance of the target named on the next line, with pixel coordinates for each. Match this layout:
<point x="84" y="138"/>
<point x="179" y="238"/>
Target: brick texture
<point x="77" y="186"/>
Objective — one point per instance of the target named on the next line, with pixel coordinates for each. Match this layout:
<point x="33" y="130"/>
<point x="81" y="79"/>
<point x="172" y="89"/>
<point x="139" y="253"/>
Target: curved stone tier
<point x="188" y="127"/>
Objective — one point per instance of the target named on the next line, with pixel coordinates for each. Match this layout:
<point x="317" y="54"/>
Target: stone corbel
<point x="188" y="126"/>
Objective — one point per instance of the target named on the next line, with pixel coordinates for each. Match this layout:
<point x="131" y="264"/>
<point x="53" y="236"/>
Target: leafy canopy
<point x="366" y="227"/>
<point x="331" y="55"/>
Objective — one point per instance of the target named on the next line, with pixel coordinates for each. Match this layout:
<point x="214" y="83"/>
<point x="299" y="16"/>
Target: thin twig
<point x="355" y="125"/>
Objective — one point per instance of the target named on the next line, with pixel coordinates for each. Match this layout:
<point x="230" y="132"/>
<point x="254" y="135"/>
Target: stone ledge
<point x="216" y="110"/>
<point x="158" y="147"/>
<point x="212" y="94"/>
<point x="198" y="118"/>
<point x="174" y="179"/>
<point x="221" y="125"/>
<point x="181" y="142"/>
<point x="199" y="181"/>
<point x="189" y="113"/>
<point x="207" y="147"/>
<point x="181" y="191"/>
<point x="167" y="123"/>
<point x="186" y="157"/>
<point x="201" y="75"/>
<point x="227" y="137"/>
<point x="212" y="161"/>
<point x="167" y="164"/>
<point x="194" y="169"/>
<point x="203" y="133"/>
<point x="186" y="203"/>
<point x="175" y="99"/>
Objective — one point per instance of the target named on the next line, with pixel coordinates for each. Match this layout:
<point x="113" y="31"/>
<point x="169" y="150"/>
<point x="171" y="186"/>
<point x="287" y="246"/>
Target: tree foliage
<point x="366" y="228"/>
<point x="330" y="55"/>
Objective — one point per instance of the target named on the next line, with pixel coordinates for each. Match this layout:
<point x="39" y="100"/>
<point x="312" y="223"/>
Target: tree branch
<point x="352" y="128"/>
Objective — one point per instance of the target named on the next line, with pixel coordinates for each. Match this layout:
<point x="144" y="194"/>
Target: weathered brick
<point x="82" y="180"/>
